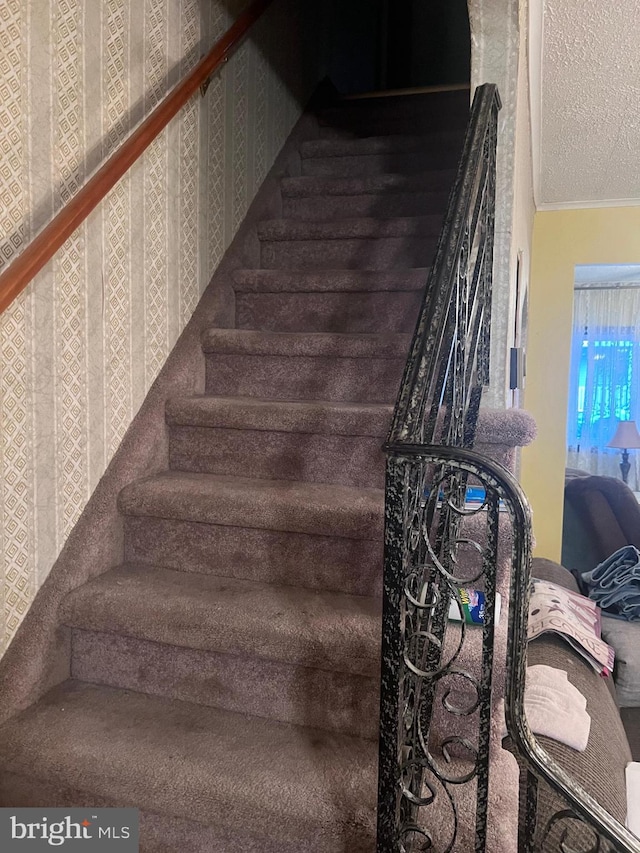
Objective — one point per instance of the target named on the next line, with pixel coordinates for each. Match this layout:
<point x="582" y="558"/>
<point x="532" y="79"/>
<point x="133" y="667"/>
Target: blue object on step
<point x="615" y="584"/>
<point x="474" y="494"/>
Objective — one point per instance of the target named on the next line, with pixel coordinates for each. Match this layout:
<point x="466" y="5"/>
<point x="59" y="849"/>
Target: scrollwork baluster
<point x="434" y="736"/>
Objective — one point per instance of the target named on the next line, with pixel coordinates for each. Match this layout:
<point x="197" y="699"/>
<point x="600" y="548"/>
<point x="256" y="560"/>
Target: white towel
<point x="552" y="677"/>
<point x="632" y="775"/>
<point x="555" y="708"/>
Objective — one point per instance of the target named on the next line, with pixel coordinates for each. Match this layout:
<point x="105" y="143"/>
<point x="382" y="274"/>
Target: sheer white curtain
<point x="604" y="385"/>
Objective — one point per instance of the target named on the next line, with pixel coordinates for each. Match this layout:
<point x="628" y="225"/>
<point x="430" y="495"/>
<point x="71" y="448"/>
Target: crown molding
<point x="586" y="205"/>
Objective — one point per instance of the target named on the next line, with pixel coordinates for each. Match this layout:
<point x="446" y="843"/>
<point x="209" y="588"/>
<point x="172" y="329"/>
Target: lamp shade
<point x="626" y="436"/>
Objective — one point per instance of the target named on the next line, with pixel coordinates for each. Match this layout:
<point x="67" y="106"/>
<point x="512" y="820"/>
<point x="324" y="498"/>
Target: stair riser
<point x="333" y="701"/>
<point x="357" y="380"/>
<point x="348" y="460"/>
<point x="378" y="164"/>
<point x="499" y="452"/>
<point x="362" y="126"/>
<point x="382" y="205"/>
<point x="369" y="253"/>
<point x="323" y="282"/>
<point x="357" y="312"/>
<point x="162" y="833"/>
<point x="318" y="562"/>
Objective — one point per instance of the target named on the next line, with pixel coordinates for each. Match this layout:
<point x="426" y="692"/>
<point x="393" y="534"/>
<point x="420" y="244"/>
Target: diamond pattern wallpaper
<point x="82" y="345"/>
<point x="69" y="271"/>
<point x="16" y="438"/>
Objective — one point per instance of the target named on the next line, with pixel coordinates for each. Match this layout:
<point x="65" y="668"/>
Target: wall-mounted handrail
<point x="43" y="247"/>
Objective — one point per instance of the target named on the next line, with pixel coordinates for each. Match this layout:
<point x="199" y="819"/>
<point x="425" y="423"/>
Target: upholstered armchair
<point x="601" y="515"/>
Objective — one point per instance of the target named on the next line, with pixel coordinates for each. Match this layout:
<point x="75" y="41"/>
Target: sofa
<point x="600" y="769"/>
<point x="601" y="515"/>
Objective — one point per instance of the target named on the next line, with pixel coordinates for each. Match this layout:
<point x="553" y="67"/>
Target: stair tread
<point x="390" y="345"/>
<point x="329" y="281"/>
<point x="295" y="507"/>
<point x="372" y="145"/>
<point x="324" y="417"/>
<point x="306" y="185"/>
<point x="311" y="628"/>
<point x="280" y="230"/>
<point x="186" y="760"/>
<point x="407" y="94"/>
<point x="509" y="427"/>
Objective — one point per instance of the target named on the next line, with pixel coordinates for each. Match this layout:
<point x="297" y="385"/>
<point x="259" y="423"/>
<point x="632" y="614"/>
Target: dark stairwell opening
<point x="424" y="44"/>
<point x="377" y="45"/>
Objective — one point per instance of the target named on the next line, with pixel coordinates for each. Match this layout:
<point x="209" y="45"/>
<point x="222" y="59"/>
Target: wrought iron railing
<point x="441" y="681"/>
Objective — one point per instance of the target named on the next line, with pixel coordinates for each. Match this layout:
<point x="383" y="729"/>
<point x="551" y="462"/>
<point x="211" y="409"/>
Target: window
<point x="603" y="391"/>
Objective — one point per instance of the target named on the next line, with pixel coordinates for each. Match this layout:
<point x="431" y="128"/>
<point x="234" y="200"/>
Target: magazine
<point x="573" y="617"/>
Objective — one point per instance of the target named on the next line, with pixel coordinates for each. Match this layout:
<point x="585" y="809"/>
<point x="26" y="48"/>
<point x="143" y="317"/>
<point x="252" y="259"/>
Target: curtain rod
<point x="633" y="286"/>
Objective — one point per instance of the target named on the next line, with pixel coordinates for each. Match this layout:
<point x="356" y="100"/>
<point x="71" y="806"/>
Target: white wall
<point x="499" y="55"/>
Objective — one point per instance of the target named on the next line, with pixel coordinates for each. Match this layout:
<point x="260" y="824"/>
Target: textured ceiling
<point x="590" y="102"/>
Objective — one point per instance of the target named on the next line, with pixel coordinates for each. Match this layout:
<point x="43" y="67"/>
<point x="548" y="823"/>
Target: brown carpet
<point x="225" y="676"/>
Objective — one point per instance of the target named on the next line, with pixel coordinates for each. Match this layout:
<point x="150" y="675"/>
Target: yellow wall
<point x="561" y="239"/>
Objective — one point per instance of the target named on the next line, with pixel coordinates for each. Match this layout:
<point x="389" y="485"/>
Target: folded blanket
<point x="555" y="708"/>
<point x="615" y="584"/>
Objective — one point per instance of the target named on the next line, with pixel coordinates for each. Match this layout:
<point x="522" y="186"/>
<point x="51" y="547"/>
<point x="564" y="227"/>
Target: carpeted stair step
<point x="159" y="833"/>
<point x="402" y="114"/>
<point x="436" y="153"/>
<point x="356" y="301"/>
<point x="314" y="441"/>
<point x="500" y="432"/>
<point x="434" y="104"/>
<point x="316" y="561"/>
<point x="213" y="640"/>
<point x="309" y="508"/>
<point x="349" y="243"/>
<point x="364" y="128"/>
<point x="277" y="690"/>
<point x="304" y="366"/>
<point x="312" y="628"/>
<point x="329" y="281"/>
<point x="361" y="128"/>
<point x="384" y="196"/>
<point x="308" y="534"/>
<point x="235" y="773"/>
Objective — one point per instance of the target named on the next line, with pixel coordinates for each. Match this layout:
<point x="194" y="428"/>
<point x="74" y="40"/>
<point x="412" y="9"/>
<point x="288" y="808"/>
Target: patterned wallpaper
<point x="81" y="346"/>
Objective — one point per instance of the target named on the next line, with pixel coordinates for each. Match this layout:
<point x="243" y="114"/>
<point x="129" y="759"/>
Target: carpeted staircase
<point x="225" y="677"/>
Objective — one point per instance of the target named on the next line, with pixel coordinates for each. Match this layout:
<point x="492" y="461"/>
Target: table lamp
<point x="626" y="437"/>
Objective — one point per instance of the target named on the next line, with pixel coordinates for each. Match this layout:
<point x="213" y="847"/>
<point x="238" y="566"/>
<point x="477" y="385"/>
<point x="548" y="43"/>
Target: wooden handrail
<point x="43" y="247"/>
